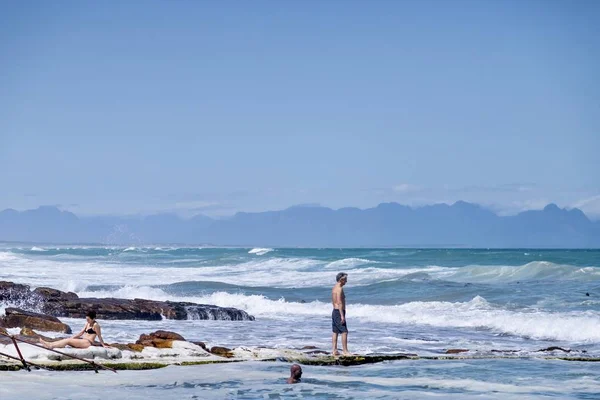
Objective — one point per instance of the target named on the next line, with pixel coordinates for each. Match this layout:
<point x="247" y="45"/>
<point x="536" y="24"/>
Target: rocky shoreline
<point x="38" y="310"/>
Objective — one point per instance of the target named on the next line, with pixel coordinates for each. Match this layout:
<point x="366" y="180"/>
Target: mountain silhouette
<point x="461" y="224"/>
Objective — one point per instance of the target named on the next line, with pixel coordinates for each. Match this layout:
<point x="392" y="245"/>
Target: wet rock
<point x="127" y="347"/>
<point x="140" y="309"/>
<point x="120" y="346"/>
<point x="10" y="291"/>
<point x="16" y="318"/>
<point x="309" y="348"/>
<point x="19" y="295"/>
<point x="49" y="294"/>
<point x="554" y="348"/>
<point x="135" y="347"/>
<point x="167" y="335"/>
<point x="456" y="351"/>
<point x="201" y="344"/>
<point x="159" y="339"/>
<point x="221" y="351"/>
<point x="62" y="304"/>
<point x="316" y="352"/>
<point x="207" y="311"/>
<point x="163" y="343"/>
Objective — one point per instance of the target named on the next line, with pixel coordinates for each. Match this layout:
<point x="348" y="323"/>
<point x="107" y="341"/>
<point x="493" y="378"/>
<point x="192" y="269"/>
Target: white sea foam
<point x="274" y="272"/>
<point x="475" y="314"/>
<point x="260" y="251"/>
<point x="35" y="248"/>
<point x="536" y="270"/>
<point x="130" y="249"/>
<point x="348" y="263"/>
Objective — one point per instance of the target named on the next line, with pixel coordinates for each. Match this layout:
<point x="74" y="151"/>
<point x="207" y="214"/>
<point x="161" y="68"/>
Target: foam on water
<point x="537" y="270"/>
<point x="274" y="272"/>
<point x="348" y="263"/>
<point x="260" y="251"/>
<point x="476" y="314"/>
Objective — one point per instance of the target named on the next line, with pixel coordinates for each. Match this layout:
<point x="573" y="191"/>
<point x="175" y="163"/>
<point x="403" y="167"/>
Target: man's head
<point x="342" y="278"/>
<point x="296" y="372"/>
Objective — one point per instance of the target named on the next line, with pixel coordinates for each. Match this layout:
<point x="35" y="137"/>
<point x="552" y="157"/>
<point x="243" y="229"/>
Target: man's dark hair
<point x="340" y="276"/>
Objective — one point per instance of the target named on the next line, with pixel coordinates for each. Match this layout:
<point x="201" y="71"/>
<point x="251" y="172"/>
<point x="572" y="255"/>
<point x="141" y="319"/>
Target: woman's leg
<point x="77" y="343"/>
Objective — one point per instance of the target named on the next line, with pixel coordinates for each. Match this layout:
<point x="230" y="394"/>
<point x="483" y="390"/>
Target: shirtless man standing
<point x="338" y="316"/>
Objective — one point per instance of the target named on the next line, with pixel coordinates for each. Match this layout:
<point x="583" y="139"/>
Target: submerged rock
<point x="555" y="348"/>
<point x="222" y="351"/>
<point x="456" y="351"/>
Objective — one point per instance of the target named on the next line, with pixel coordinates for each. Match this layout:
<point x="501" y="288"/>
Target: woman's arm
<point x="80" y="333"/>
<point x="99" y="333"/>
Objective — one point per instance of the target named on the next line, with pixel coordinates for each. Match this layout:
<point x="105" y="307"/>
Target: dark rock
<point x="315" y="352"/>
<point x="456" y="351"/>
<point x="61" y="304"/>
<point x="201" y="344"/>
<point x="20" y="296"/>
<point x="49" y="294"/>
<point x="309" y="348"/>
<point x="16" y="318"/>
<point x="221" y="351"/>
<point x="207" y="311"/>
<point x="10" y="291"/>
<point x="167" y="335"/>
<point x="554" y="348"/>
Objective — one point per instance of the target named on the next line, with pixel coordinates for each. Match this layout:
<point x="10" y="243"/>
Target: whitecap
<point x="260" y="251"/>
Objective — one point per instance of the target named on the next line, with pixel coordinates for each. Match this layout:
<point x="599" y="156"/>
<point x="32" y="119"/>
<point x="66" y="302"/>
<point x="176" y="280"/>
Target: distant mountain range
<point x="389" y="224"/>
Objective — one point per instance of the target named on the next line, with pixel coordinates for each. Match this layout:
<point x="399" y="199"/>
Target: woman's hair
<point x="91" y="314"/>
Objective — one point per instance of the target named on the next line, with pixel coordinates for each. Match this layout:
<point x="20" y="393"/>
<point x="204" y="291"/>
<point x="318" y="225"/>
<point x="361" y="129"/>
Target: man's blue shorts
<point x="336" y="322"/>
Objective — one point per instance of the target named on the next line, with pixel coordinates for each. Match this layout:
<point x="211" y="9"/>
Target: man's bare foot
<point x="347" y="354"/>
<point x="45" y="344"/>
<point x="335" y="354"/>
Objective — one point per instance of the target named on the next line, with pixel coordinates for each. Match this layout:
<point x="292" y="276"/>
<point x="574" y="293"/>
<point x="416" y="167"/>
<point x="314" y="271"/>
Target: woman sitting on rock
<point x="83" y="339"/>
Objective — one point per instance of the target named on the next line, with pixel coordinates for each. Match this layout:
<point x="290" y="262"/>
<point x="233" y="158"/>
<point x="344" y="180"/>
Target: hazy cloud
<point x="406" y="188"/>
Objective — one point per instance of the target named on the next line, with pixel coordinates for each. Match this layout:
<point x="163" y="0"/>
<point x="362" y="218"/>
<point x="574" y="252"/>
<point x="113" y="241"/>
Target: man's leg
<point x="345" y="343"/>
<point x="334" y="338"/>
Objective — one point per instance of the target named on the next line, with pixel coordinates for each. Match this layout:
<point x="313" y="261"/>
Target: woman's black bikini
<point x="90" y="331"/>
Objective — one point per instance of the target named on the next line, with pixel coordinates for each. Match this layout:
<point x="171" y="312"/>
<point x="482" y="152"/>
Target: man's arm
<point x="339" y="303"/>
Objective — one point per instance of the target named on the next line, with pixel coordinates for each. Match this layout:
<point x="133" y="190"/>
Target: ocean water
<point x="422" y="301"/>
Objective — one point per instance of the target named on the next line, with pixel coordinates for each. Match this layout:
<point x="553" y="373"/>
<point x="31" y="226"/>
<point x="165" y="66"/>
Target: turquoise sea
<point x="422" y="301"/>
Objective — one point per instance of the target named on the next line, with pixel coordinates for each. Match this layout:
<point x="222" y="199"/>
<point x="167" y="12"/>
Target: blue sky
<point x="214" y="107"/>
